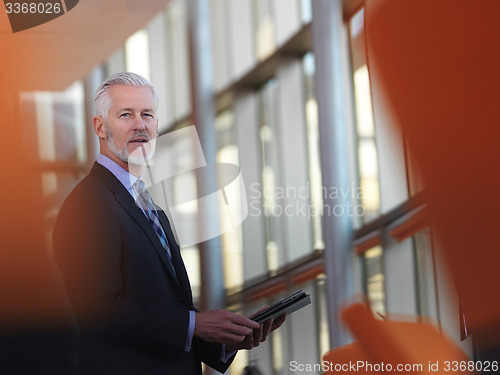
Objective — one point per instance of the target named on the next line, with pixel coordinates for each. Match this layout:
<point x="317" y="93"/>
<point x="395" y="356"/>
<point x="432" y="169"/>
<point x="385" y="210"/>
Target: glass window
<point x="60" y="137"/>
<point x="286" y="19"/>
<point x="264" y="29"/>
<point x="426" y="278"/>
<point x="239" y="363"/>
<point x="367" y="148"/>
<point x="231" y="240"/>
<point x="400" y="277"/>
<point x="374" y="279"/>
<point x="270" y="174"/>
<point x="137" y="54"/>
<point x="174" y="165"/>
<point x="315" y="181"/>
<point x="59" y="117"/>
<point x="220" y="33"/>
<point x="178" y="58"/>
<point x="322" y="322"/>
<point x="241" y="37"/>
<point x="160" y="66"/>
<point x="306" y="11"/>
<point x="115" y="63"/>
<point x="45" y="122"/>
<point x="191" y="257"/>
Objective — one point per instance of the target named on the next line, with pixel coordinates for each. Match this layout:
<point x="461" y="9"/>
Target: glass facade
<point x="374" y="276"/>
<point x="267" y="124"/>
<point x="365" y="128"/>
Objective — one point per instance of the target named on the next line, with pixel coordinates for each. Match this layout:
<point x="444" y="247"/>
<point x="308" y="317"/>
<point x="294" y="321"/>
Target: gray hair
<point x="102" y="99"/>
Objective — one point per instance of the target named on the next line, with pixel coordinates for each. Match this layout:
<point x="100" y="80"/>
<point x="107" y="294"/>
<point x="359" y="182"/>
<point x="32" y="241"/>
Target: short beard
<point x="138" y="156"/>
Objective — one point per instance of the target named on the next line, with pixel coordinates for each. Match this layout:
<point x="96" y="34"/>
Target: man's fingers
<point x="235" y="330"/>
<point x="266" y="328"/>
<point x="243" y="321"/>
<point x="238" y="329"/>
<point x="223" y="326"/>
<point x="232" y="338"/>
<point x="278" y="322"/>
<point x="257" y="335"/>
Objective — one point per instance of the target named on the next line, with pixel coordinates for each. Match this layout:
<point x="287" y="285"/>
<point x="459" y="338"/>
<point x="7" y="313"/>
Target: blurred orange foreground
<point x="401" y="347"/>
<point x="439" y="64"/>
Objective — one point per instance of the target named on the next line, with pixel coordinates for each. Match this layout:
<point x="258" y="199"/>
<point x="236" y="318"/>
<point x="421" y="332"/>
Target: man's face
<point x="131" y="127"/>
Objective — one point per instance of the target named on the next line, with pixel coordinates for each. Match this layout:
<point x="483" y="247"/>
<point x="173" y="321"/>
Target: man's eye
<point x="148" y="115"/>
<point x="125" y="115"/>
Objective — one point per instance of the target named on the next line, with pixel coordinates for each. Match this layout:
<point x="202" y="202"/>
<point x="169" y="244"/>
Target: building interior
<point x="286" y="90"/>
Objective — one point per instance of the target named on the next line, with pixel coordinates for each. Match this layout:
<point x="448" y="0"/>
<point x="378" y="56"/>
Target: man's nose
<point x="139" y="123"/>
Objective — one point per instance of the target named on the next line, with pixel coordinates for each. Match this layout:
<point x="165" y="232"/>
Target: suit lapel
<point x="125" y="200"/>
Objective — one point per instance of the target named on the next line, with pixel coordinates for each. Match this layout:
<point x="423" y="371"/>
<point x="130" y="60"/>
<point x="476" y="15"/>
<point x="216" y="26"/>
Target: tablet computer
<point x="287" y="305"/>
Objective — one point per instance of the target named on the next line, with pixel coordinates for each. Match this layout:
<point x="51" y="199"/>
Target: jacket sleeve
<point x="211" y="356"/>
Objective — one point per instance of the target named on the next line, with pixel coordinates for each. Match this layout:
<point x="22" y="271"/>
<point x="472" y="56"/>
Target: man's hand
<point x="224" y="327"/>
<point x="259" y="335"/>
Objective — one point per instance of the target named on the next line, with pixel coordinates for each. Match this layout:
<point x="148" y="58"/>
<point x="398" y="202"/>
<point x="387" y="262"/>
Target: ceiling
<point x="53" y="55"/>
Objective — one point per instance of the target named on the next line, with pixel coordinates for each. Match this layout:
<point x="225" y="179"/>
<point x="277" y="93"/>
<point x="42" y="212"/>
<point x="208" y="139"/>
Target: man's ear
<point x="99" y="127"/>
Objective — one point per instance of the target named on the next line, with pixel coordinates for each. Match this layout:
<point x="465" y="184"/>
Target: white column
<point x="327" y="47"/>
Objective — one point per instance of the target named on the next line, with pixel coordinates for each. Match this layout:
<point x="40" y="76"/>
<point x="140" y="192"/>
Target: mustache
<point x="141" y="133"/>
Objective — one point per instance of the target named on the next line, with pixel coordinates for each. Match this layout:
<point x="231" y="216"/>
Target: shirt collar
<point x="127" y="179"/>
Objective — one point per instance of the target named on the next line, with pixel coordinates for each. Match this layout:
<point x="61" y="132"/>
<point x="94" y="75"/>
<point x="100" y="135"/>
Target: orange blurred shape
<point x="438" y="62"/>
<point x="400" y="346"/>
<point x="30" y="292"/>
<point x="345" y="359"/>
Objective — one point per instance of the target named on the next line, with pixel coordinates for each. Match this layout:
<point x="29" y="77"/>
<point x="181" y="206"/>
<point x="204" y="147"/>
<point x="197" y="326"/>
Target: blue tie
<point x="145" y="202"/>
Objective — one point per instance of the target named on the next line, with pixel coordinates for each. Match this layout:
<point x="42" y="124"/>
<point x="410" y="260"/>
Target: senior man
<point x="123" y="271"/>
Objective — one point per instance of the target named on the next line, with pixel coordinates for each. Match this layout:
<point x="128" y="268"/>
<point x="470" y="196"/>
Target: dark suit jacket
<point x="133" y="312"/>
